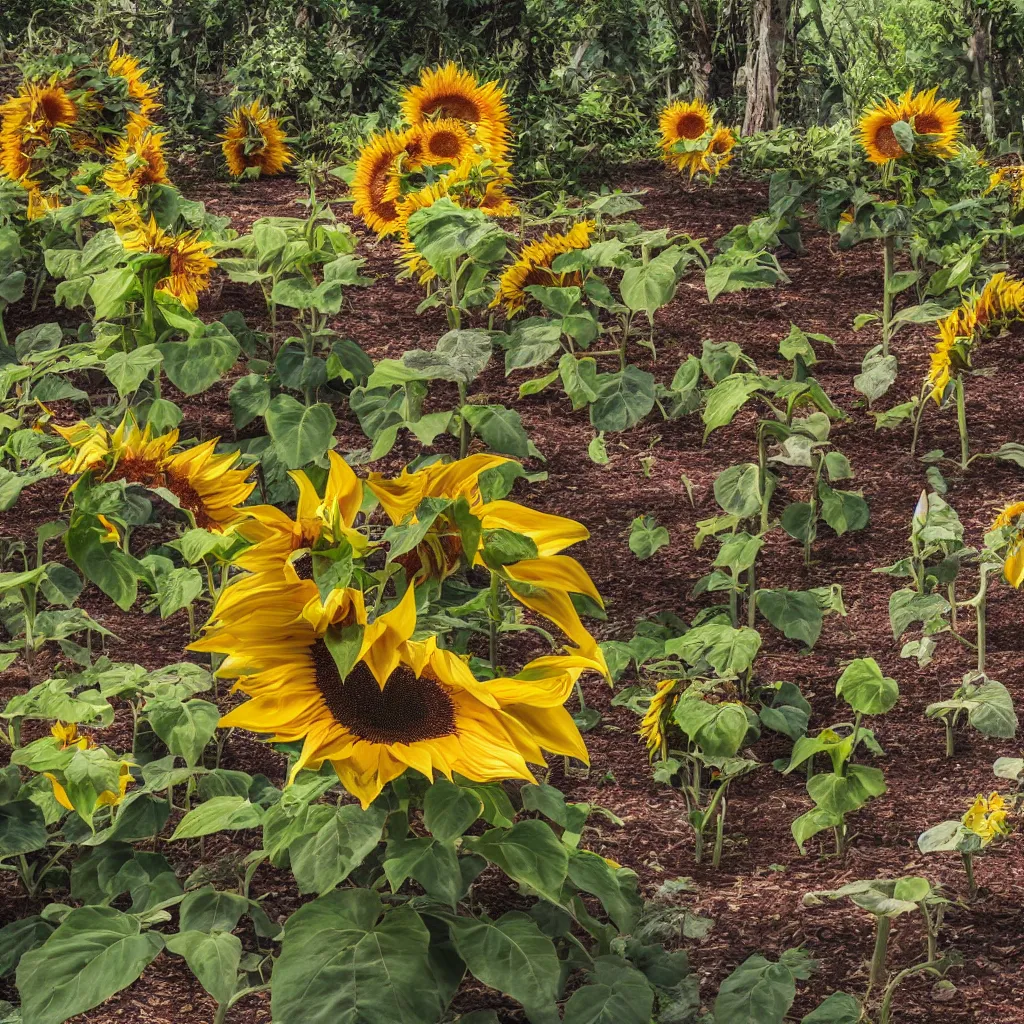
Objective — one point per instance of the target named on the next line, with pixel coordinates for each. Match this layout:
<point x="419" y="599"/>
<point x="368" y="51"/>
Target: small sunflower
<point x="254" y="138"/>
<point x="720" y="151"/>
<point x="654" y="725"/>
<point x="66" y="734"/>
<point x="376" y="185"/>
<point x="28" y="120"/>
<point x="444" y="141"/>
<point x="1001" y="299"/>
<point x="876" y="134"/>
<point x="449" y="92"/>
<point x="405" y="704"/>
<point x="684" y="121"/>
<point x="137" y="161"/>
<point x="1010" y="178"/>
<point x="986" y="818"/>
<point x="188" y="256"/>
<point x="277" y="537"/>
<point x="952" y="348"/>
<point x="141" y="92"/>
<point x="95" y="798"/>
<point x="937" y="118"/>
<point x="533" y="266"/>
<point x="1013" y="563"/>
<point x="204" y="483"/>
<point x="40" y="203"/>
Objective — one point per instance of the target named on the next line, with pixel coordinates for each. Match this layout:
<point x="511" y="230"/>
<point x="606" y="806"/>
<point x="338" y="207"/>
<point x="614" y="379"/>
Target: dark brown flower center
<point x="454" y="105"/>
<point x="886" y="141"/>
<point x="189" y="498"/>
<point x="409" y="709"/>
<point x="690" y="126"/>
<point x="445" y="144"/>
<point x="927" y="124"/>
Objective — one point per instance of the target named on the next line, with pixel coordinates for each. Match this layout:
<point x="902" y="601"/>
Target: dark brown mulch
<point x="755" y="896"/>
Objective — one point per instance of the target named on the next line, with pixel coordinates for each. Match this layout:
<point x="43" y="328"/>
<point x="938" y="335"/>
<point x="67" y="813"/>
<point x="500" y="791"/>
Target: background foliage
<point x="585" y="77"/>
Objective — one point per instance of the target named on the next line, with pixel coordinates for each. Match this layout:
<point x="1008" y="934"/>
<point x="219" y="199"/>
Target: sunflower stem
<point x="888" y="258"/>
<point x="961" y="421"/>
<point x="877" y="975"/>
<point x="972" y="885"/>
<point x="982" y="601"/>
<point x="494" y="620"/>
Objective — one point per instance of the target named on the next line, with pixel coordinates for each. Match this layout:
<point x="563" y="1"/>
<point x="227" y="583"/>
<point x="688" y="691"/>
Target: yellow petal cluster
<point x="253" y="138"/>
<point x="692" y="121"/>
<point x="453" y="121"/>
<point x="926" y="112"/>
<point x="532" y="266"/>
<point x="986" y="818"/>
<point x="204" y="483"/>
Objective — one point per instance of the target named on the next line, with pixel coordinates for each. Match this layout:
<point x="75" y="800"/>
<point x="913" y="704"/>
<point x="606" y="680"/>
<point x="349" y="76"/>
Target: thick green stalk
<point x="888" y="259"/>
<point x="877" y="975"/>
<point x="961" y="421"/>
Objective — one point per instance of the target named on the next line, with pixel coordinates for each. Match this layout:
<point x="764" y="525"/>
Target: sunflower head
<point x="141" y="92"/>
<point x="684" y="121"/>
<point x="533" y="267"/>
<point x="450" y="92"/>
<point x="654" y="725"/>
<point x="876" y="133"/>
<point x="137" y="161"/>
<point x="936" y="119"/>
<point x="254" y="140"/>
<point x="720" y="151"/>
<point x="444" y="141"/>
<point x="376" y="184"/>
<point x="28" y="121"/>
<point x="188" y="256"/>
<point x="986" y="818"/>
<point x="1010" y="178"/>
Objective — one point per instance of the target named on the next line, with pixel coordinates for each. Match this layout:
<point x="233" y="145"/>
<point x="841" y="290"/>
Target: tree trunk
<point x="977" y="53"/>
<point x="764" y="48"/>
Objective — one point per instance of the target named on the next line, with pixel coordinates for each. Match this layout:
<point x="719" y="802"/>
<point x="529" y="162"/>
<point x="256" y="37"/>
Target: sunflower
<point x="1012" y="179"/>
<point x="66" y="735"/>
<point x="376" y="184"/>
<point x="719" y="153"/>
<point x="876" y="134"/>
<point x="204" y="483"/>
<point x="987" y="818"/>
<point x="188" y="256"/>
<point x="39" y="203"/>
<point x="139" y="90"/>
<point x="404" y="703"/>
<point x="444" y="141"/>
<point x="952" y="348"/>
<point x="277" y="537"/>
<point x="937" y="118"/>
<point x="253" y="138"/>
<point x="684" y="121"/>
<point x="28" y="120"/>
<point x="449" y="92"/>
<point x="1001" y="299"/>
<point x="137" y="161"/>
<point x="1013" y="564"/>
<point x="654" y="726"/>
<point x="533" y="266"/>
<point x="543" y="583"/>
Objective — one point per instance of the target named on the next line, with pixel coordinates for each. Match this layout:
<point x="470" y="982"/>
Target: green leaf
<point x="579" y="378"/>
<point x="727" y="398"/>
<point x="127" y="370"/>
<point x="757" y="992"/>
<point x="992" y="713"/>
<point x="22" y="828"/>
<point x="221" y="814"/>
<point x="616" y="888"/>
<point x="186" y="727"/>
<point x="795" y="612"/>
<point x="646" y="536"/>
<point x="865" y="689"/>
<point x="737" y="490"/>
<point x="942" y="838"/>
<point x="718" y="729"/>
<point x="878" y="374"/>
<point x="907" y="606"/>
<point x="213" y="957"/>
<point x="94" y="953"/>
<point x="344" y="959"/>
<point x="458" y="356"/>
<point x="648" y="287"/>
<point x="529" y="853"/>
<point x="20" y="936"/>
<point x="597" y="450"/>
<point x="618" y="995"/>
<point x="501" y="429"/>
<point x="511" y="955"/>
<point x="623" y="399"/>
<point x="194" y="365"/>
<point x="435" y="865"/>
<point x="839" y="1008"/>
<point x="327" y="857"/>
<point x="300" y="434"/>
<point x="729" y="651"/>
<point x="105" y="564"/>
<point x="904" y="135"/>
<point x="842" y="510"/>
<point x="111" y="291"/>
<point x="448" y="810"/>
<point x="211" y="910"/>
